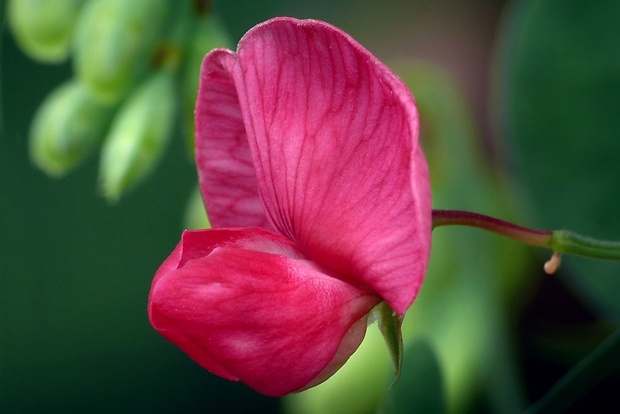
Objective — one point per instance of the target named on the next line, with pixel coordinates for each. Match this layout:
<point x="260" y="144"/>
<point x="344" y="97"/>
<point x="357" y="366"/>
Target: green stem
<point x="564" y="241"/>
<point x="560" y="241"/>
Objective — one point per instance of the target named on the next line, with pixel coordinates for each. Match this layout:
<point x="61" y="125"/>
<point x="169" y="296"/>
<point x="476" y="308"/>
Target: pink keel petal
<point x="245" y="305"/>
<point x="226" y="173"/>
<point x="333" y="135"/>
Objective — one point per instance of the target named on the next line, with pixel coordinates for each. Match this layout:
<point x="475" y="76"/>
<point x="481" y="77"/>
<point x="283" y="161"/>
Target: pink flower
<point x="309" y="165"/>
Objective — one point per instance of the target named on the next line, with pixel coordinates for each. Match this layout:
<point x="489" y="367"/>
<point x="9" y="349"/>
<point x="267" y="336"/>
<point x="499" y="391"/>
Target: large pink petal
<point x="334" y="139"/>
<point x="247" y="306"/>
<point x="226" y="174"/>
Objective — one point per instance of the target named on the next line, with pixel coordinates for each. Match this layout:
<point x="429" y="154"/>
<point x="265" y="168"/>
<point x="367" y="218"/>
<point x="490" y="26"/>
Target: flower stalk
<point x="560" y="241"/>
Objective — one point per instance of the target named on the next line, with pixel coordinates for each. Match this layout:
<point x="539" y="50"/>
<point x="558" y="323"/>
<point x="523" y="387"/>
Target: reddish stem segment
<point x="465" y="218"/>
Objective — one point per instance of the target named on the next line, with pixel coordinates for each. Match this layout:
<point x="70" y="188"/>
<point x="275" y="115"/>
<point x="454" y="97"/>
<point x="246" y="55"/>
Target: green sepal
<point x="389" y="324"/>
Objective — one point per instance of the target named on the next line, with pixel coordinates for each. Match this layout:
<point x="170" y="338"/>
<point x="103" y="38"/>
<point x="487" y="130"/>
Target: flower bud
<point x="43" y="28"/>
<point x="67" y="126"/>
<point x="114" y="39"/>
<point x="139" y="134"/>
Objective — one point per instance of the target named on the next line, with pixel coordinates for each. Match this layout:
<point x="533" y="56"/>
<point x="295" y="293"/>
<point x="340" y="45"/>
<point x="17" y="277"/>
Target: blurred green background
<point x="519" y="107"/>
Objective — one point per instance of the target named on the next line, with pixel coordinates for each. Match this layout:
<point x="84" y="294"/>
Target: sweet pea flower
<point x="318" y="193"/>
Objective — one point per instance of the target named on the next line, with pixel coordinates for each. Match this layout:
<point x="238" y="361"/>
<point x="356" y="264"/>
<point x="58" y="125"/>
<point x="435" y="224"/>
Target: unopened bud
<point x="67" y="126"/>
<point x="139" y="134"/>
<point x="44" y="28"/>
<point x="114" y="39"/>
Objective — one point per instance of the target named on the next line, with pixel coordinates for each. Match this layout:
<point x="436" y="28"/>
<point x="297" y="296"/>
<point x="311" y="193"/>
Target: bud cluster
<point x="134" y="62"/>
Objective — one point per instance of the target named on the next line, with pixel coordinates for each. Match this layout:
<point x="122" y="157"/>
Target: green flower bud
<point x="113" y="43"/>
<point x="139" y="134"/>
<point x="43" y="28"/>
<point x="67" y="126"/>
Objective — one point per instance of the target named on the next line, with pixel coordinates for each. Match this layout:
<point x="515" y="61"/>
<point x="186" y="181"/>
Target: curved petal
<point x="247" y="306"/>
<point x="225" y="171"/>
<point x="333" y="134"/>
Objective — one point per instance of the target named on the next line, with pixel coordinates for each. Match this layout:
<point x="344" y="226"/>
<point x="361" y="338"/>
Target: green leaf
<point x="559" y="97"/>
<point x="420" y="389"/>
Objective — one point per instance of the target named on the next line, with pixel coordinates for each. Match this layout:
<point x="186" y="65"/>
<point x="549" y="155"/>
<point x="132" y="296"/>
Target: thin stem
<point x="465" y="218"/>
<point x="560" y="241"/>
